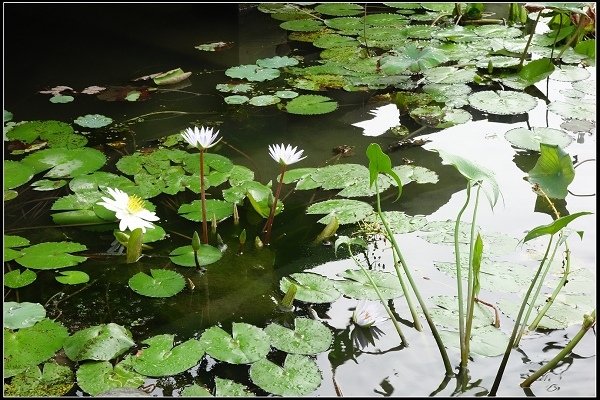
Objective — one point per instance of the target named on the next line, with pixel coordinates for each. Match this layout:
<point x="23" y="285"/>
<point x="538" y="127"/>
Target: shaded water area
<point x="109" y="45"/>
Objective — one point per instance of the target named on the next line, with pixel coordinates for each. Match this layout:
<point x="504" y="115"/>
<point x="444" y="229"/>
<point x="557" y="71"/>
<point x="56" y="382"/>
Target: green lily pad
<point x="100" y="342"/>
<point x="253" y="73"/>
<point x="195" y="391"/>
<point x="219" y="209"/>
<point x="13" y="241"/>
<point x="308" y="337"/>
<point x="486" y="341"/>
<point x="93" y="121"/>
<point x="61" y="99"/>
<point x="10" y="195"/>
<point x="299" y="376"/>
<point x="51" y="255"/>
<point x="411" y="59"/>
<point x="286" y="94"/>
<point x="55" y="380"/>
<point x="73" y="277"/>
<point x="579" y="109"/>
<point x="7" y="116"/>
<point x="236" y="99"/>
<point x="31" y="346"/>
<point x="16" y="174"/>
<point x="346" y="211"/>
<point x="414" y="173"/>
<point x="309" y="104"/>
<point x="229" y="388"/>
<point x="97" y="377"/>
<point x="438" y="117"/>
<point x="264" y="100"/>
<point x="246" y="344"/>
<point x="502" y="103"/>
<point x="302" y="25"/>
<point x="162" y="358"/>
<point x="28" y="132"/>
<point x="162" y="283"/>
<point x="22" y="315"/>
<point x="399" y="222"/>
<point x="214" y="46"/>
<point x="311" y="288"/>
<point x="184" y="255"/>
<point x="339" y="9"/>
<point x="553" y="171"/>
<point x="329" y="40"/>
<point x="531" y="139"/>
<point x="171" y="77"/>
<point x="276" y="62"/>
<point x="357" y="286"/>
<point x="66" y="163"/>
<point x="449" y="75"/>
<point x="568" y="73"/>
<point x="16" y="279"/>
<point x="234" y="87"/>
<point x="44" y="185"/>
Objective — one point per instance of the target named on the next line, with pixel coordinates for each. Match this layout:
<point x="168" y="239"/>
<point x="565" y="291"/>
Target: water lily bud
<point x="220" y="241"/>
<point x="243" y="237"/>
<point x="213" y="224"/>
<point x="236" y="216"/>
<point x="258" y="243"/>
<point x="196" y="241"/>
<point x="122" y="237"/>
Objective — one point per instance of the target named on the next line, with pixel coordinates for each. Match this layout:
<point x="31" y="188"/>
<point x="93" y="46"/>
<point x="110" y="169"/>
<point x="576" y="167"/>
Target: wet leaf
<point x="339" y="9"/>
<point x="51" y="255"/>
<point x="531" y="139"/>
<point x="162" y="283"/>
<point x="184" y="255"/>
<point x="236" y="99"/>
<point x="229" y="388"/>
<point x="286" y="94"/>
<point x="54" y="380"/>
<point x="486" y="341"/>
<point x="307" y="337"/>
<point x="553" y="171"/>
<point x="264" y="100"/>
<point x="298" y="377"/>
<point x="100" y="342"/>
<point x="16" y="174"/>
<point x="302" y="25"/>
<point x="66" y="163"/>
<point x="195" y="391"/>
<point x="13" y="241"/>
<point x="171" y="77"/>
<point x="219" y="209"/>
<point x="163" y="358"/>
<point x="276" y="62"/>
<point x="309" y="104"/>
<point x="16" y="279"/>
<point x="503" y="103"/>
<point x="345" y="210"/>
<point x="73" y="277"/>
<point x="253" y="73"/>
<point x="93" y="121"/>
<point x="356" y="285"/>
<point x="22" y="315"/>
<point x="399" y="222"/>
<point x="412" y="59"/>
<point x="568" y="73"/>
<point x="246" y="344"/>
<point x="61" y="99"/>
<point x="449" y="75"/>
<point x="234" y="87"/>
<point x="97" y="377"/>
<point x="215" y="46"/>
<point x="44" y="185"/>
<point x="311" y="288"/>
<point x="579" y="109"/>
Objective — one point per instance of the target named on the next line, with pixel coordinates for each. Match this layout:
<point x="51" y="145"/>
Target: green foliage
<point x="574" y="109"/>
<point x="184" y="255"/>
<point x="246" y="344"/>
<point x="53" y="380"/>
<point x="253" y="73"/>
<point x="411" y="59"/>
<point x="22" y="315"/>
<point x="311" y="288"/>
<point x="55" y="133"/>
<point x="379" y="162"/>
<point x="307" y="337"/>
<point x="299" y="376"/>
<point x="357" y="286"/>
<point x="531" y="139"/>
<point x="16" y="279"/>
<point x="277" y="62"/>
<point x="229" y="388"/>
<point x="553" y="171"/>
<point x="339" y="9"/>
<point x="16" y="174"/>
<point x="66" y="163"/>
<point x="302" y="25"/>
<point x="72" y="277"/>
<point x="264" y="100"/>
<point x="97" y="377"/>
<point x="100" y="342"/>
<point x="503" y="103"/>
<point x="171" y="77"/>
<point x="554" y="227"/>
<point x="51" y="255"/>
<point x="309" y="104"/>
<point x="11" y="241"/>
<point x="345" y="210"/>
<point x="93" y="121"/>
<point x="161" y="283"/>
<point x="162" y="358"/>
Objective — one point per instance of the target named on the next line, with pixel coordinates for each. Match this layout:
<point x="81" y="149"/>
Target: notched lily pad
<point x="163" y="358"/>
<point x="246" y="344"/>
<point x="308" y="337"/>
<point x="345" y="210"/>
<point x="93" y="121"/>
<point x="309" y="104"/>
<point x="72" y="277"/>
<point x="357" y="285"/>
<point x="299" y="376"/>
<point x="51" y="255"/>
<point x="184" y="255"/>
<point x="100" y="342"/>
<point x="502" y="103"/>
<point x="16" y="279"/>
<point x="253" y="73"/>
<point x="162" y="283"/>
<point x="311" y="288"/>
<point x="53" y="380"/>
<point x="530" y="139"/>
<point x="97" y="377"/>
<point x="22" y="315"/>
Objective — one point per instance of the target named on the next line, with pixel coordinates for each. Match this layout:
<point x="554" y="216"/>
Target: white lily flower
<point x="285" y="155"/>
<point x="202" y="138"/>
<point x="129" y="210"/>
<point x="366" y="314"/>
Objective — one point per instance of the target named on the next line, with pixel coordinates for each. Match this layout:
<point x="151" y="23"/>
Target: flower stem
<point x="269" y="224"/>
<point x="203" y="200"/>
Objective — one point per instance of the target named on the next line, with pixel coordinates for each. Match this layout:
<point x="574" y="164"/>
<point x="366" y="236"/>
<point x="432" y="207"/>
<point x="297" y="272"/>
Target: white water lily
<point x="129" y="210"/>
<point x="202" y="138"/>
<point x="366" y="314"/>
<point x="285" y="155"/>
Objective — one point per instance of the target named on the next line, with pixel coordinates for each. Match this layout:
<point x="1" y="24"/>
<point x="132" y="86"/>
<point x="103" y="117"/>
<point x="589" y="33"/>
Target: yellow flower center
<point x="135" y="204"/>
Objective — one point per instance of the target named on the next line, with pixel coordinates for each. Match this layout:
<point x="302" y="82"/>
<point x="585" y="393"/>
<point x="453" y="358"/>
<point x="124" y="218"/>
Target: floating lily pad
<point x="44" y="185"/>
<point x="299" y="376"/>
<point x="553" y="171"/>
<point x="309" y="104"/>
<point x="55" y="133"/>
<point x="171" y="77"/>
<point x="195" y="391"/>
<point x="31" y="346"/>
<point x="503" y="103"/>
<point x="311" y="288"/>
<point x="486" y="340"/>
<point x="357" y="286"/>
<point x="55" y="380"/>
<point x="184" y="255"/>
<point x="16" y="174"/>
<point x="65" y="163"/>
<point x="234" y="88"/>
<point x="339" y="9"/>
<point x="61" y="99"/>
<point x="162" y="358"/>
<point x="286" y="94"/>
<point x="567" y="73"/>
<point x="302" y="25"/>
<point x="22" y="315"/>
<point x="399" y="222"/>
<point x="51" y="255"/>
<point x="578" y="125"/>
<point x="308" y="337"/>
<point x="13" y="241"/>
<point x="253" y="73"/>
<point x="264" y="100"/>
<point x="229" y="388"/>
<point x="246" y="344"/>
<point x="236" y="99"/>
<point x="93" y="121"/>
<point x="578" y="109"/>
<point x="162" y="283"/>
<point x="411" y="59"/>
<point x="449" y="75"/>
<point x="215" y="46"/>
<point x="276" y="62"/>
<point x="100" y="342"/>
<point x="587" y="87"/>
<point x="346" y="211"/>
<point x="531" y="139"/>
<point x="73" y="277"/>
<point x="16" y="279"/>
<point x="97" y="377"/>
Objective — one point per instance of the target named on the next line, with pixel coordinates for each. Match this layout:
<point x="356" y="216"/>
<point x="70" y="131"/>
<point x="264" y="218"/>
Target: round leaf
<point x="531" y="139"/>
<point x="22" y="315"/>
<point x="73" y="277"/>
<point x="357" y="286"/>
<point x="502" y="103"/>
<point x="100" y="342"/>
<point x="253" y="73"/>
<point x="97" y="377"/>
<point x="54" y="380"/>
<point x="246" y="344"/>
<point x="51" y="255"/>
<point x="93" y="121"/>
<point x="236" y="99"/>
<point x="184" y="255"/>
<point x="302" y="25"/>
<point x="66" y="163"/>
<point x="162" y="283"/>
<point x="311" y="288"/>
<point x="347" y="211"/>
<point x="264" y="100"/>
<point x="161" y="358"/>
<point x="298" y="377"/>
<point x="229" y="388"/>
<point x="308" y="337"/>
<point x="16" y="174"/>
<point x="195" y="391"/>
<point x="339" y="9"/>
<point x="16" y="279"/>
<point x="309" y="104"/>
<point x="277" y="62"/>
<point x="220" y="209"/>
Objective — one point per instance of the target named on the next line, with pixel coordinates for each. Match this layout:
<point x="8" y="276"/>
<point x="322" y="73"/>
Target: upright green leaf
<point x="379" y="162"/>
<point x="553" y="171"/>
<point x="554" y="227"/>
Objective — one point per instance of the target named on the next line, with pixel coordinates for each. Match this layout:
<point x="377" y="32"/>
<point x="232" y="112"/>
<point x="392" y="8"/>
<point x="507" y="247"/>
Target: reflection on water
<point x="83" y="45"/>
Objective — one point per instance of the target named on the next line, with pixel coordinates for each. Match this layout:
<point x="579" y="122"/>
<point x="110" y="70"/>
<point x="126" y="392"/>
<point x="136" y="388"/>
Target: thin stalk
<point x="459" y="288"/>
<point x="470" y="280"/>
<point x="574" y="37"/>
<point x="434" y="331"/>
<point x="387" y="308"/>
<point x="203" y="200"/>
<point x="588" y="322"/>
<point x="509" y="345"/>
<point x="524" y="54"/>
<point x="269" y="224"/>
<point x="537" y="292"/>
<point x="559" y="286"/>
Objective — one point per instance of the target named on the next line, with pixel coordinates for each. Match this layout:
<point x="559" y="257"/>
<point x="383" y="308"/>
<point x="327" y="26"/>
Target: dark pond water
<point x="80" y="45"/>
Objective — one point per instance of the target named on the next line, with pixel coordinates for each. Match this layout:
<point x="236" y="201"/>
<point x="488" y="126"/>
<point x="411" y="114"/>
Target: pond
<point x="97" y="96"/>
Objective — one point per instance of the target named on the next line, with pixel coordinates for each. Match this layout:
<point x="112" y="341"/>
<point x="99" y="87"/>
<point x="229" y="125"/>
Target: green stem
<point x="559" y="286"/>
<point x="459" y="289"/>
<point x="470" y="280"/>
<point x="536" y="294"/>
<point x="387" y="309"/>
<point x="588" y="322"/>
<point x="269" y="224"/>
<point x="434" y="332"/>
<point x="574" y="37"/>
<point x="203" y="200"/>
<point x="524" y="54"/>
<point x="509" y="345"/>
